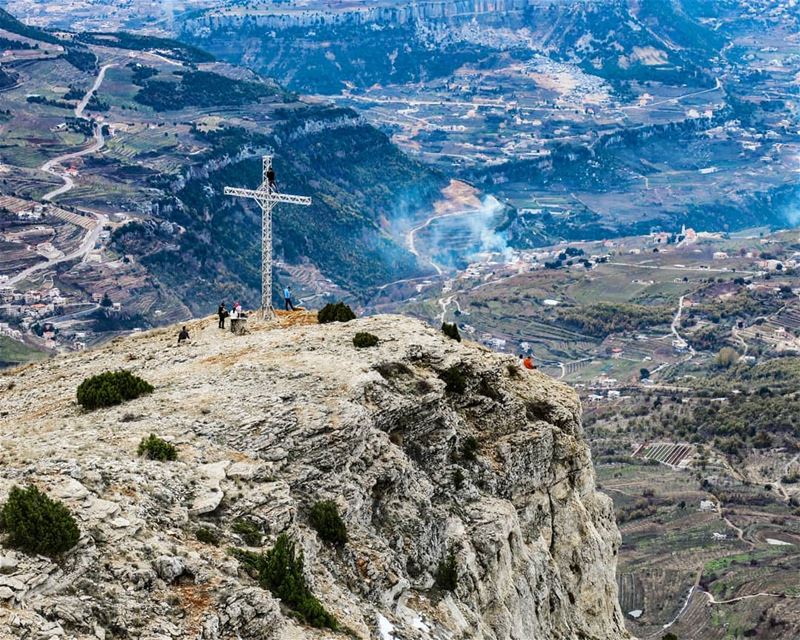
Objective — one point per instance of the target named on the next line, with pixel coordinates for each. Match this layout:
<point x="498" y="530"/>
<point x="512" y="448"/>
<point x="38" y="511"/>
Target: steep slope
<point x="269" y="423"/>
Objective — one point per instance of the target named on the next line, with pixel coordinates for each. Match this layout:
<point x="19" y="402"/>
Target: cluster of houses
<point x="31" y="305"/>
<point x="7" y="330"/>
<point x="30" y="313"/>
<point x="29" y="308"/>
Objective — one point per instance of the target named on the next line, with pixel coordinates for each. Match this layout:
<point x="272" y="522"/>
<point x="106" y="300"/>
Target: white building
<point x="708" y="505"/>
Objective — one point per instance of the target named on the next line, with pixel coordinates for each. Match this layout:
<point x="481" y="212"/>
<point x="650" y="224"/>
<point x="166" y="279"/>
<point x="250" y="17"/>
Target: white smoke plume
<point x="483" y="226"/>
<point x="792" y="211"/>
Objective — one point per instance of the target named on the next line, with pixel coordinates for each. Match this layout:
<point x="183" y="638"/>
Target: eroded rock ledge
<point x="267" y="424"/>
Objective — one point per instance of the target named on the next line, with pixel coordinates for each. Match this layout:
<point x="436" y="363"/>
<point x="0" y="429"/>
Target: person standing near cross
<point x="267" y="197"/>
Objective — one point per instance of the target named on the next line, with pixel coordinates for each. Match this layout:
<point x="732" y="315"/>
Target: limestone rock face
<point x="269" y="423"/>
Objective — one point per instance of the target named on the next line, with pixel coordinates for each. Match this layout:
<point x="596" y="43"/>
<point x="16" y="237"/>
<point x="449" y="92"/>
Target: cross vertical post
<point x="267" y="196"/>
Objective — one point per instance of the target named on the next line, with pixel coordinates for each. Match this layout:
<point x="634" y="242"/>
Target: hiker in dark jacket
<point x="222" y="313"/>
<point x="183" y="335"/>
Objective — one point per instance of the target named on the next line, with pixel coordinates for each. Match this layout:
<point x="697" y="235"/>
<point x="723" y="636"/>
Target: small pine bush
<point x="249" y="532"/>
<point x="35" y="523"/>
<point x="154" y="448"/>
<point x="280" y="570"/>
<point x="362" y="340"/>
<point x="458" y="479"/>
<point x="335" y="312"/>
<point x="451" y="331"/>
<point x="469" y="448"/>
<point x="447" y="573"/>
<point x="207" y="536"/>
<point x="326" y="520"/>
<point x="111" y="388"/>
<point x="454" y="379"/>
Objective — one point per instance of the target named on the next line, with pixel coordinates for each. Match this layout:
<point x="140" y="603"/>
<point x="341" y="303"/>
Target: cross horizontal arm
<point x="264" y="196"/>
<point x="284" y="197"/>
<point x="244" y="193"/>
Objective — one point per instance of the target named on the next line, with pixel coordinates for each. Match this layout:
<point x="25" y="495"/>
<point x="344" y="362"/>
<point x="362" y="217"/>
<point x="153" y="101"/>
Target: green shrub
<point x="454" y="379"/>
<point x="326" y="520"/>
<point x="110" y="388"/>
<point x="451" y="331"/>
<point x="363" y="340"/>
<point x="447" y="573"/>
<point x="37" y="524"/>
<point x="154" y="448"/>
<point x="458" y="479"/>
<point x="335" y="312"/>
<point x="469" y="448"/>
<point x="248" y="531"/>
<point x="207" y="536"/>
<point x="280" y="570"/>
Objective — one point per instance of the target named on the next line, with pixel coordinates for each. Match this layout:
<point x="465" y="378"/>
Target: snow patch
<point x="385" y="628"/>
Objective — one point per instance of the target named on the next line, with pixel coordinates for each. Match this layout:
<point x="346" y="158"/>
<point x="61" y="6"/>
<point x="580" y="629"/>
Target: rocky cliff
<point x="271" y="422"/>
<point x="389" y="13"/>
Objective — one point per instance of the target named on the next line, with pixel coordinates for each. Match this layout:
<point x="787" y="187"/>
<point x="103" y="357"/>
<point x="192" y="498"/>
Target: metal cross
<point x="267" y="197"/>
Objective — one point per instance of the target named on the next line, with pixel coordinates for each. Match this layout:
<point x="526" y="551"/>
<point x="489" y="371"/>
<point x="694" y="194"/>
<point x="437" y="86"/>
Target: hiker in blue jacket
<point x="287" y="298"/>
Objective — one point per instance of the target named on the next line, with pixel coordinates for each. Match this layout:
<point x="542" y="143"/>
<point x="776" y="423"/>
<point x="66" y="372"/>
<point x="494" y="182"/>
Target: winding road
<point x="87" y="244"/>
<point x="676" y="322"/>
<point x="90" y="239"/>
<point x="411" y="243"/>
<point x="99" y="142"/>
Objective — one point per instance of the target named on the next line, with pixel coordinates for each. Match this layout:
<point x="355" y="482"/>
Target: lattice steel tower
<point x="267" y="197"/>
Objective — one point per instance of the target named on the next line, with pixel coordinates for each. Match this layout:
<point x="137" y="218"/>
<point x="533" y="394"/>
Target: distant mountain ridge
<point x="401" y="42"/>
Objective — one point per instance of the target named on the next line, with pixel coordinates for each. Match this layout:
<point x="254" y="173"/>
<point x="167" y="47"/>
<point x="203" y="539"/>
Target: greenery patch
<point x="451" y="331"/>
<point x="280" y="570"/>
<point x="469" y="448"/>
<point x="603" y="319"/>
<point x="35" y="523"/>
<point x="454" y="379"/>
<point x="154" y="448"/>
<point x="447" y="573"/>
<point x="328" y="523"/>
<point x="111" y="388"/>
<point x="335" y="312"/>
<point x="200" y="89"/>
<point x="458" y="479"/>
<point x="138" y="42"/>
<point x="363" y="340"/>
<point x="248" y="531"/>
<point x="207" y="536"/>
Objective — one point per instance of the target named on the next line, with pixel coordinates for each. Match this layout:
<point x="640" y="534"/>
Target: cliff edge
<point x="426" y="445"/>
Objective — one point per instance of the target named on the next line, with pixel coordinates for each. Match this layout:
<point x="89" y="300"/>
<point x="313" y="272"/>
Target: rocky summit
<point x="431" y="449"/>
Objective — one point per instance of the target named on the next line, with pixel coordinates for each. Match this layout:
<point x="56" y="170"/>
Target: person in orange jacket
<point x="527" y="362"/>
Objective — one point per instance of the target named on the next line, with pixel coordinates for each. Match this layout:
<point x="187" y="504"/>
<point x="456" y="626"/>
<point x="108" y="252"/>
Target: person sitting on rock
<point x="527" y="362"/>
<point x="183" y="335"/>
